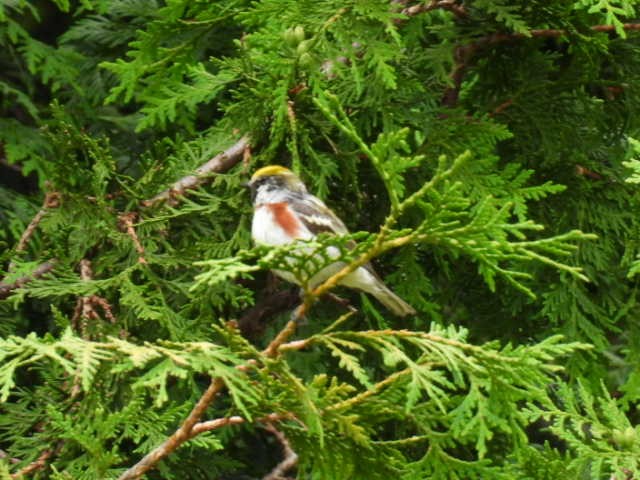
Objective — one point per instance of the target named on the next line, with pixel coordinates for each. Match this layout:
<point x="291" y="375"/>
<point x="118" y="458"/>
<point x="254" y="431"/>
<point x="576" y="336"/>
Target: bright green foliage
<point x="483" y="153"/>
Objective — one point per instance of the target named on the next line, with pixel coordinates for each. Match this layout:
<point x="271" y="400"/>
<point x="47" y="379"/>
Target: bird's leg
<point x="341" y="301"/>
<point x="299" y="314"/>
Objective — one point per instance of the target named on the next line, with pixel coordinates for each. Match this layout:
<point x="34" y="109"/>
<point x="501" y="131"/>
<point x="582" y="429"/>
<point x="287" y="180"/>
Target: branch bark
<point x="181" y="435"/>
<point x="42" y="269"/>
<point x="451" y="5"/>
<point x="218" y="164"/>
<point x="37" y="464"/>
<point x="192" y="425"/>
<point x="290" y="459"/>
<point x="464" y="54"/>
<point x="51" y="200"/>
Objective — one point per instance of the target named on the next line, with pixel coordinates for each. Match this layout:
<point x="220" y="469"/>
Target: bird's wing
<point x="317" y="217"/>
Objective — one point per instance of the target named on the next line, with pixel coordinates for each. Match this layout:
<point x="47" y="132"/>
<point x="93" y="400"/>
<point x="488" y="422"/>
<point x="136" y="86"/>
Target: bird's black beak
<point x="251" y="186"/>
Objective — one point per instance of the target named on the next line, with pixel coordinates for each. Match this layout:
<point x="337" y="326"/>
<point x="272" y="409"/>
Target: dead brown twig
<point x="218" y="164"/>
<point x="126" y="222"/>
<point x="51" y="200"/>
<point x="86" y="306"/>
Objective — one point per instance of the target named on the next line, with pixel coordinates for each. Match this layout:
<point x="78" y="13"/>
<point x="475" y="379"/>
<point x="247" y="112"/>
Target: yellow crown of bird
<point x="270" y="170"/>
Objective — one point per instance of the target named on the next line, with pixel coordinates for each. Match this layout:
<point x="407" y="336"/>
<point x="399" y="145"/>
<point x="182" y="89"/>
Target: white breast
<point x="266" y="231"/>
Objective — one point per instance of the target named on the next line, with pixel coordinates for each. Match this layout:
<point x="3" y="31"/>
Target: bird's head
<point x="273" y="180"/>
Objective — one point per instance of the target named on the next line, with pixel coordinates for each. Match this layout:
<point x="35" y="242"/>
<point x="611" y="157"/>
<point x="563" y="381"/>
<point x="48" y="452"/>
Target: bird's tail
<point x="392" y="301"/>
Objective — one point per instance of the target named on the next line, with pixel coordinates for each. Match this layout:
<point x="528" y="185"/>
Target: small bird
<point x="284" y="211"/>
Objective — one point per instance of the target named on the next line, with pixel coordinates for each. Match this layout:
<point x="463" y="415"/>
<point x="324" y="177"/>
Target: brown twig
<point x="585" y="172"/>
<point x="4" y="455"/>
<point x="220" y="163"/>
<point x="290" y="459"/>
<point x="289" y="329"/>
<point x="42" y="269"/>
<point x="186" y="430"/>
<point x="51" y="200"/>
<point x="501" y="108"/>
<point x="86" y="306"/>
<point x="464" y="54"/>
<point x="37" y="464"/>
<point x="209" y="425"/>
<point x="450" y="5"/>
<point x="126" y="222"/>
<point x="181" y="435"/>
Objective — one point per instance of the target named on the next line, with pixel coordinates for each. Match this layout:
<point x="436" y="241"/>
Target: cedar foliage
<point x="484" y="154"/>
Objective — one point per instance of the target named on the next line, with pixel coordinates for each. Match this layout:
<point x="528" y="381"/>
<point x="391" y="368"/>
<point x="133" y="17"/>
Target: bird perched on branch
<point x="284" y="211"/>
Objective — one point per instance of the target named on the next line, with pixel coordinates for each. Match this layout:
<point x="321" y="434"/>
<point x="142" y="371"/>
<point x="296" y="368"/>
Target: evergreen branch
<point x="290" y="459"/>
<point x="381" y="244"/>
<point x="186" y="430"/>
<point x="218" y="164"/>
<point x="464" y="54"/>
<point x="42" y="269"/>
<point x="341" y="120"/>
<point x="177" y="438"/>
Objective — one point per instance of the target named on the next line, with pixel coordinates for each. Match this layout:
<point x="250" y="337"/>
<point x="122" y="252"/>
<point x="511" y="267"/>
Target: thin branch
<point x="501" y="108"/>
<point x="585" y="172"/>
<point x="209" y="425"/>
<point x="464" y="54"/>
<point x="181" y="435"/>
<point x="42" y="269"/>
<point x="290" y="459"/>
<point x="37" y="464"/>
<point x="218" y="164"/>
<point x="192" y="425"/>
<point x="86" y="306"/>
<point x="51" y="200"/>
<point x="126" y="221"/>
<point x="285" y="333"/>
<point x="5" y="455"/>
